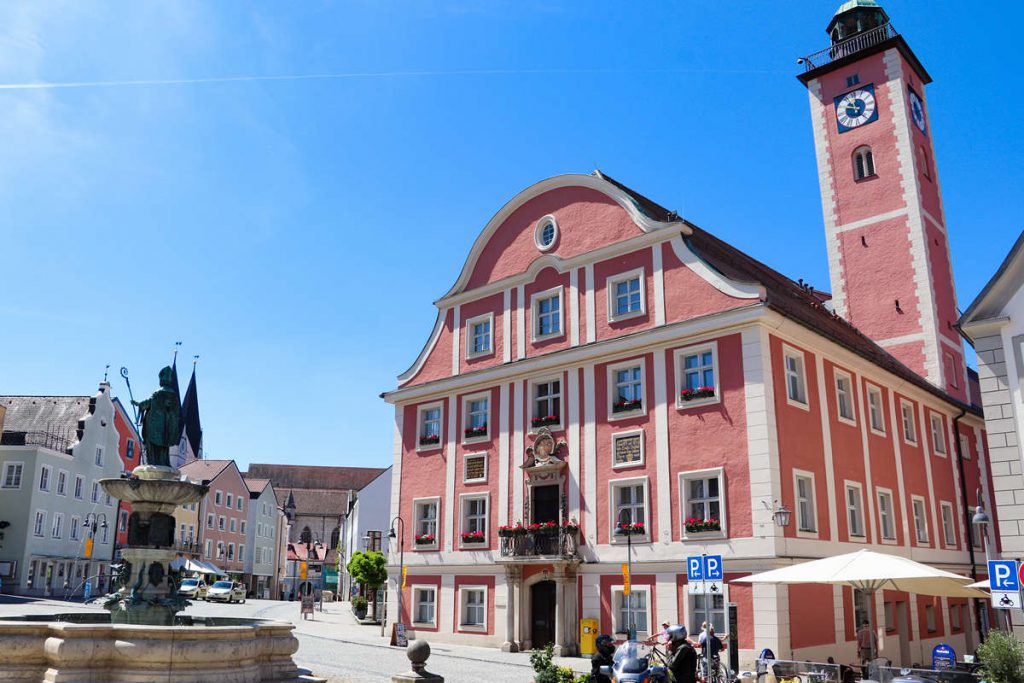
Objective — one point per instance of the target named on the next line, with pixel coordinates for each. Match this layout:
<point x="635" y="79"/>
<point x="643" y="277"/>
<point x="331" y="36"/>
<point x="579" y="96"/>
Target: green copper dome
<point x="854" y="4"/>
<point x="855" y="17"/>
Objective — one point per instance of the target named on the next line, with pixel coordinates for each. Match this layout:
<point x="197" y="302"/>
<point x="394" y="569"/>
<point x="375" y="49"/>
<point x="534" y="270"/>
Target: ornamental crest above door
<point x="544" y="458"/>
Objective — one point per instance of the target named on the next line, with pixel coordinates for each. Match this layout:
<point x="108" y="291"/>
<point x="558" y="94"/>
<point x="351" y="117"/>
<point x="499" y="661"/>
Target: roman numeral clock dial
<point x="856" y="108"/>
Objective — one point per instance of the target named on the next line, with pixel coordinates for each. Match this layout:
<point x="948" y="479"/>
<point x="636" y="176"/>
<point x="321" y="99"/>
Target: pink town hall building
<point x="601" y="361"/>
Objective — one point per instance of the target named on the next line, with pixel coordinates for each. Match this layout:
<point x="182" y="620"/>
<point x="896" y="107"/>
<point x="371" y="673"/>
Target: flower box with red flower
<point x="694" y="393"/>
<point x="696" y="525"/>
<point x="545" y="528"/>
<point x="426" y="539"/>
<point x="545" y="421"/>
<point x="473" y="537"/>
<point x="474" y="432"/>
<point x="511" y="530"/>
<point x="635" y="529"/>
<point x="430" y="440"/>
<point x="627" y="405"/>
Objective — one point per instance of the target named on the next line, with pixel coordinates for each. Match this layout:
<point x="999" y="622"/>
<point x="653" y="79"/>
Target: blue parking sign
<point x="713" y="568"/>
<point x="695" y="568"/>
<point x="1002" y="575"/>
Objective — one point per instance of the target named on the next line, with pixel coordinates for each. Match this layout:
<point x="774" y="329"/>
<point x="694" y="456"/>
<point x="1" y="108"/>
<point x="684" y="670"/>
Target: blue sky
<point x="294" y="233"/>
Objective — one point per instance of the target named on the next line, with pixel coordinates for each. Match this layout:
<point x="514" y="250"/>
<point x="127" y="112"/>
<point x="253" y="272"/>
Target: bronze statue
<point x="161" y="421"/>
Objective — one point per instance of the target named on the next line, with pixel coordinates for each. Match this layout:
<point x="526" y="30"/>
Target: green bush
<point x="1002" y="658"/>
<point x="359" y="603"/>
<point x="545" y="671"/>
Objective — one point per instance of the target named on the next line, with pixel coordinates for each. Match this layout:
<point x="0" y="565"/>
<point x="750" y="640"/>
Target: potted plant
<point x="359" y="607"/>
<point x="696" y="525"/>
<point x="430" y="440"/>
<point x="425" y="539"/>
<point x="633" y="529"/>
<point x="692" y="393"/>
<point x="544" y="421"/>
<point x="473" y="537"/>
<point x="624" y="405"/>
<point x="472" y="432"/>
<point x="544" y="528"/>
<point x="511" y="530"/>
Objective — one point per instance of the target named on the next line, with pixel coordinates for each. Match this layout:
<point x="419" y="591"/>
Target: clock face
<point x="917" y="110"/>
<point x="856" y="108"/>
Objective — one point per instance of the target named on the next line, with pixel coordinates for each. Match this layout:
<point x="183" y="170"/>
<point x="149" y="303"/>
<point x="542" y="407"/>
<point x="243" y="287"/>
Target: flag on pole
<point x="404" y="570"/>
<point x="625" y="579"/>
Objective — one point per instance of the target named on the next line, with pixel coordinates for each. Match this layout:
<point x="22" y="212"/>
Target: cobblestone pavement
<point x="332" y="645"/>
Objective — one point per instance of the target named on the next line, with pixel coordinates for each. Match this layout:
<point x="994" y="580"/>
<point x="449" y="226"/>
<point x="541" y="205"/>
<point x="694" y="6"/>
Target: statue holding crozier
<point x="160" y="415"/>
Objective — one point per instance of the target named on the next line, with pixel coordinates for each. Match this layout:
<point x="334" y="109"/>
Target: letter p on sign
<point x="1002" y="575"/>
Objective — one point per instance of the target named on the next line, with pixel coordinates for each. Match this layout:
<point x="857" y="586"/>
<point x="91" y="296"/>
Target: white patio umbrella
<point x="871" y="571"/>
<point x="983" y="585"/>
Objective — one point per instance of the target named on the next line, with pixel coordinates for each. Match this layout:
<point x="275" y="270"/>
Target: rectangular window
<point x="424" y="602"/>
<point x="938" y="435"/>
<point x="99" y="456"/>
<point x="885" y="515"/>
<point x="57" y="529"/>
<point x="965" y="447"/>
<point x="474" y="519"/>
<point x="626" y="295"/>
<point x="109" y="500"/>
<point x="231" y="551"/>
<point x="626" y="389"/>
<point x="105" y="534"/>
<point x="12" y="475"/>
<point x="796" y="381"/>
<point x="875" y="410"/>
<point x="95" y="492"/>
<point x="854" y="510"/>
<point x="241" y="527"/>
<point x="231" y="500"/>
<point x="475" y="414"/>
<point x="44" y="478"/>
<point x="238" y="503"/>
<point x="929" y="618"/>
<point x="696" y="375"/>
<point x="709" y="608"/>
<point x="234" y="525"/>
<point x="479" y="335"/>
<point x="844" y="397"/>
<point x="209" y="521"/>
<point x="75" y="529"/>
<point x="547" y="314"/>
<point x="429" y="430"/>
<point x="209" y="549"/>
<point x="221" y="523"/>
<point x="547" y="404"/>
<point x="948" y="534"/>
<point x="62" y="483"/>
<point x="218" y="497"/>
<point x="909" y="424"/>
<point x="954" y="617"/>
<point x="806" y="515"/>
<point x="702" y="503"/>
<point x="122" y="521"/>
<point x="920" y="519"/>
<point x="40" y="524"/>
<point x="79" y="482"/>
<point x="629" y="504"/>
<point x="632" y="610"/>
<point x="241" y="551"/>
<point x="474" y="607"/>
<point x="475" y="468"/>
<point x="426" y="521"/>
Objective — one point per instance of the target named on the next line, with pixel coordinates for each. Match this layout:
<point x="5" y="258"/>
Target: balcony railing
<point x="55" y="439"/>
<point x="848" y="47"/>
<point x="561" y="543"/>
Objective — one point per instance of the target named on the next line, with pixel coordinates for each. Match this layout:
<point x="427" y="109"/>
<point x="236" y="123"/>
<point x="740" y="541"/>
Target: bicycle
<point x="719" y="673"/>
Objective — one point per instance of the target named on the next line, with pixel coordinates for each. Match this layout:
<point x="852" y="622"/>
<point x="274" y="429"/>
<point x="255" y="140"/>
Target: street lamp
<point x="625" y="529"/>
<point x="980" y="522"/>
<point x="401" y="559"/>
<point x="780" y="513"/>
<point x="323" y="563"/>
<point x="90" y="527"/>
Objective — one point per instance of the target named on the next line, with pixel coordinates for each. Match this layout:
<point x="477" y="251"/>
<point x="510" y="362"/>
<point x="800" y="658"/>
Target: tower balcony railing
<point x="847" y="47"/>
<point x="557" y="543"/>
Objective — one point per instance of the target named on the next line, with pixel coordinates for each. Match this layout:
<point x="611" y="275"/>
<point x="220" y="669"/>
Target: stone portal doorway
<point x="542" y="610"/>
<point x="546" y="503"/>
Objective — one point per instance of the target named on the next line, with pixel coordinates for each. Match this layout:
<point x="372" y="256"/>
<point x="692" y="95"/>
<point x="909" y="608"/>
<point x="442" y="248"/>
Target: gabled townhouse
<point x="365" y="526"/>
<point x="262" y="545"/>
<point x="223" y="513"/>
<point x="601" y="362"/>
<point x="129" y="449"/>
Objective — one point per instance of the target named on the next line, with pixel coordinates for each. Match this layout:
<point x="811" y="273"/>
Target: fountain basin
<point x="87" y="647"/>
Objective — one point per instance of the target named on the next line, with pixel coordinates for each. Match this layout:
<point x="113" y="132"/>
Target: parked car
<point x="193" y="588"/>
<point x="226" y="591"/>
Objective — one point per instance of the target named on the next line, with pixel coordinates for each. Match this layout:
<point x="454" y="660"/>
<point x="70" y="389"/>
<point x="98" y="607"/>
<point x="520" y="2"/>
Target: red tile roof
<point x="204" y="470"/>
<point x="315" y="476"/>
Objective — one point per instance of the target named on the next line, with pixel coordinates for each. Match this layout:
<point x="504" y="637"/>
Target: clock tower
<point x="884" y="221"/>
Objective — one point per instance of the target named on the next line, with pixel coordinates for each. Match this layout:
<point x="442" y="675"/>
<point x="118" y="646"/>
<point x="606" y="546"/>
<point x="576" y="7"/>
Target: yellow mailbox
<point x="588" y="636"/>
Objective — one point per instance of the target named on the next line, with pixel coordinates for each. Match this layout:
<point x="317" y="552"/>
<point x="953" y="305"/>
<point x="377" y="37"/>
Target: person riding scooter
<point x="682" y="656"/>
<point x="605" y="649"/>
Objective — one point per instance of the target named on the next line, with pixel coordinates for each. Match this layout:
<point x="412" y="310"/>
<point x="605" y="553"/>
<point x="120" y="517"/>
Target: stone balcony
<point x="533" y="546"/>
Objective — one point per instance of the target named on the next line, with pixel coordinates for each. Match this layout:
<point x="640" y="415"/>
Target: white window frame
<point x="538" y="231"/>
<point x="535" y="300"/>
<point x="94" y="495"/>
<point x="843" y="376"/>
<point x="414" y="591"/>
<point x="79" y="487"/>
<point x="239" y="503"/>
<point x="8" y="467"/>
<point x="955" y="622"/>
<point x="613" y="517"/>
<point x="463" y="589"/>
<point x="965" y="446"/>
<point x="230" y="500"/>
<point x="614" y="280"/>
<point x="867" y="157"/>
<point x="470" y="323"/>
<point x="848" y="485"/>
<point x="465" y="468"/>
<point x="929" y="619"/>
<point x="643" y="449"/>
<point x="791" y="353"/>
<point x="914" y="500"/>
<point x="938" y="435"/>
<point x="420" y="410"/>
<point x="57" y="525"/>
<point x="684" y="502"/>
<point x="39" y="524"/>
<point x="62" y="483"/>
<point x="222" y="523"/>
<point x="99" y="457"/>
<point x="211" y="520"/>
<point x="692" y="611"/>
<point x="463" y="500"/>
<point x="678" y="356"/>
<point x="879" y="493"/>
<point x="948" y="525"/>
<point x="48" y="484"/>
<point x="531" y="405"/>
<point x="640" y="362"/>
<point x="642" y="630"/>
<point x="218" y="497"/>
<point x="233" y="525"/>
<point x="466" y="400"/>
<point x="875" y="392"/>
<point x="907" y="410"/>
<point x="74" y="528"/>
<point x="805" y="533"/>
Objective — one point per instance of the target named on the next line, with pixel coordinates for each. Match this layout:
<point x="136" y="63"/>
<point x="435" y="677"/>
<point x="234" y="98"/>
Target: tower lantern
<point x="854" y="18"/>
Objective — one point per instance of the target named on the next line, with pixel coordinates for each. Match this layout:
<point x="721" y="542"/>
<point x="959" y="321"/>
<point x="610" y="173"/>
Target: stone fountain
<point x="144" y="638"/>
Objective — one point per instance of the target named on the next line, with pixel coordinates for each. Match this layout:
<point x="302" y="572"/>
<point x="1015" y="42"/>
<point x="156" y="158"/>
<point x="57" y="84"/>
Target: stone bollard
<point x="417" y="652"/>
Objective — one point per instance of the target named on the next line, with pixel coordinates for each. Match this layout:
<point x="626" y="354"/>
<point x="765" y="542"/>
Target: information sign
<point x="307" y="605"/>
<point x="1002" y="575"/>
<point x="627" y="449"/>
<point x="943" y="657"/>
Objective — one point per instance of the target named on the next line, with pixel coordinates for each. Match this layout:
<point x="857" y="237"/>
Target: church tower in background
<point x="885" y="226"/>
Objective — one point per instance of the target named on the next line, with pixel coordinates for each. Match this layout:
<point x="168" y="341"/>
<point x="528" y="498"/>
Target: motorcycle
<point x="635" y="662"/>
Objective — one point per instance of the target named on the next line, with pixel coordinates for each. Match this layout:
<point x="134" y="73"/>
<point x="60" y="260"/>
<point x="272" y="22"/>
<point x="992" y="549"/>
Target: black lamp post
<point x="626" y="529"/>
<point x="92" y="526"/>
<point x="401" y="559"/>
<point x="980" y="522"/>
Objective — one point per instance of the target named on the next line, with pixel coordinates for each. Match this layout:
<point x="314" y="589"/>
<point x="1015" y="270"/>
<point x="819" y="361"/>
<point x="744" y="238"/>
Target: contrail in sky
<point x="367" y="74"/>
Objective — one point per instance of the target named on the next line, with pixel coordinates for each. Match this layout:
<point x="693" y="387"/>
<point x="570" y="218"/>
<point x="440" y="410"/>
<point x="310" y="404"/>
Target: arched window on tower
<point x="926" y="167"/>
<point x="863" y="163"/>
<point x="335" y="537"/>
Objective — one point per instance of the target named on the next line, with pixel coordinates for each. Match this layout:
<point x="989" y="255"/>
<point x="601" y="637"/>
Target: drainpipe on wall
<point x="978" y="604"/>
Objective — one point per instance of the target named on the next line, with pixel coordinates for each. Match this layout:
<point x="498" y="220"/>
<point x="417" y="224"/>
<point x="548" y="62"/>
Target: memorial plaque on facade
<point x="627" y="448"/>
<point x="476" y="468"/>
